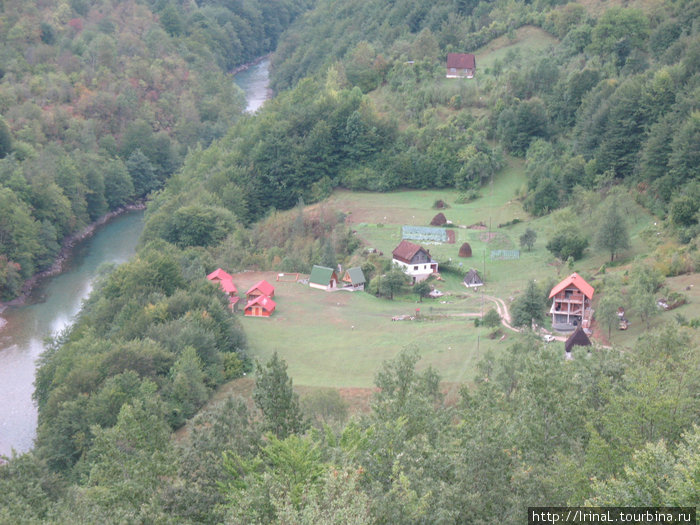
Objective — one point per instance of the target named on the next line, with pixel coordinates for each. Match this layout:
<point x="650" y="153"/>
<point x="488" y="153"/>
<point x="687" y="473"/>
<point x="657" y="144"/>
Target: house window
<point x="453" y="70"/>
<point x="415" y="267"/>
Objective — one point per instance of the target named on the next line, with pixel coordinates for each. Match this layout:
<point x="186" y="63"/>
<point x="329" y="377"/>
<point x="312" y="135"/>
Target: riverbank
<point x="247" y="65"/>
<point x="64" y="255"/>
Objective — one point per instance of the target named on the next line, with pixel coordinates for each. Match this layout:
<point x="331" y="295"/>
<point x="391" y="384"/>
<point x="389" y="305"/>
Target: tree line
<point x="607" y="428"/>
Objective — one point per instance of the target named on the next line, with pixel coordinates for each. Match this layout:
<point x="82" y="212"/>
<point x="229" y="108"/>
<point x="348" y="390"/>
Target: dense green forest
<point x="362" y="103"/>
<point x="614" y="100"/>
<point x="100" y="102"/>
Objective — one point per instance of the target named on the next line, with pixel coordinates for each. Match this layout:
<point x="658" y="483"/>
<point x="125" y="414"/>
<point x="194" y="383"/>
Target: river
<point x="255" y="81"/>
<point x="55" y="302"/>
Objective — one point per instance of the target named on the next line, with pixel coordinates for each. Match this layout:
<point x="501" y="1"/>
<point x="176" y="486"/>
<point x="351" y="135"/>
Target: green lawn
<point x="340" y="339"/>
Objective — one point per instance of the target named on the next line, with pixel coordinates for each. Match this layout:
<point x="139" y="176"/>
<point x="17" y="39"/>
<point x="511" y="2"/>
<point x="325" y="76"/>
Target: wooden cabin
<point x="225" y="281"/>
<point x="260" y="288"/>
<point x="354" y="279"/>
<point x="260" y="306"/>
<point x="577" y="338"/>
<point x="323" y="278"/>
<point x="472" y="279"/>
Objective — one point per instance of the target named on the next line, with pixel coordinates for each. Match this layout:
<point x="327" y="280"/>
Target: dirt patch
<point x="477" y="226"/>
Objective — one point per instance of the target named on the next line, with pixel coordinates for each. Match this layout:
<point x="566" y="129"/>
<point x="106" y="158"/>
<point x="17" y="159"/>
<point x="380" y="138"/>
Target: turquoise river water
<point x="55" y="302"/>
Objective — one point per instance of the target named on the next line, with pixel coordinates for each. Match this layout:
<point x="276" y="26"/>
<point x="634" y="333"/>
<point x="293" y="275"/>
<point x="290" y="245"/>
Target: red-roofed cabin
<point x="461" y="65"/>
<point x="260" y="306"/>
<point x="260" y="288"/>
<point x="219" y="275"/>
<point x="225" y="281"/>
<point x="571" y="305"/>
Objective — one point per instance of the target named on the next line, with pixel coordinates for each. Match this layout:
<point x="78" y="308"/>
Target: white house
<point x="414" y="260"/>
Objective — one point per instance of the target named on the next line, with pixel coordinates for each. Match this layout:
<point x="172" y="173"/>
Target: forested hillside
<point x="613" y="99"/>
<point x="100" y="101"/>
<point x="604" y="106"/>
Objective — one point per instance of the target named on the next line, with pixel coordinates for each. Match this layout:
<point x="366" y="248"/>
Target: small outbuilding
<point x="577" y="338"/>
<point x="323" y="278"/>
<point x="260" y="306"/>
<point x="354" y="279"/>
<point x="472" y="279"/>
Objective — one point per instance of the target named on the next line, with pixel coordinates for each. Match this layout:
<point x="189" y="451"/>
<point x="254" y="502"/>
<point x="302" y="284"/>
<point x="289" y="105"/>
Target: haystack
<point x="438" y="220"/>
<point x="465" y="250"/>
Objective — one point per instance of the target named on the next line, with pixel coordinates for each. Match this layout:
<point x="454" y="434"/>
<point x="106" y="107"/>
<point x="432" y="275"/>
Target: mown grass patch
<point x="340" y="339"/>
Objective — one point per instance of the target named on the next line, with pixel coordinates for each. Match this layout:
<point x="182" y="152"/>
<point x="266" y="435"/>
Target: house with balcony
<point x="571" y="304"/>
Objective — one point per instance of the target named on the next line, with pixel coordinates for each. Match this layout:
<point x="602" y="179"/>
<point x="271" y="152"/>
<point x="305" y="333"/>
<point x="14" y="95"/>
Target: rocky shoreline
<point x="65" y="254"/>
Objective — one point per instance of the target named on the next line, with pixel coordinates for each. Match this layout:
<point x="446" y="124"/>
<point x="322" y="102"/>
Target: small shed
<point x="439" y="220"/>
<point x="323" y="278"/>
<point x="260" y="306"/>
<point x="577" y="338"/>
<point x="354" y="279"/>
<point x="472" y="279"/>
<point x="260" y="288"/>
<point x="465" y="250"/>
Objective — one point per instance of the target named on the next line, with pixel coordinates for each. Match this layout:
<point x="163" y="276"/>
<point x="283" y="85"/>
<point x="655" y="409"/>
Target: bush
<point x="491" y="318"/>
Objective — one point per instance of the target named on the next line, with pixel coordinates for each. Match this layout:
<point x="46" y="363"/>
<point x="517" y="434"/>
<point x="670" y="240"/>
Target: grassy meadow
<point x="340" y="339"/>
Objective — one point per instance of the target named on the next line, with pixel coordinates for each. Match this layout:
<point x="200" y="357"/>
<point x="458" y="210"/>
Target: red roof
<point x="264" y="287"/>
<point x="219" y="275"/>
<point x="406" y="250"/>
<point x="228" y="286"/>
<point x="576" y="281"/>
<point x="264" y="301"/>
<point x="461" y="60"/>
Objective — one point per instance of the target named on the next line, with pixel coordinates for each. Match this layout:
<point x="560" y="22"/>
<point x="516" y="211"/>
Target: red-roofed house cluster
<point x="225" y="281"/>
<point x="260" y="303"/>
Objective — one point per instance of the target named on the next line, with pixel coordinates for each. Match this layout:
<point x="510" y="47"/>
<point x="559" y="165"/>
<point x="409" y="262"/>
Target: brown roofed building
<point x="578" y="338"/>
<point x="461" y="65"/>
<point x="414" y="260"/>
